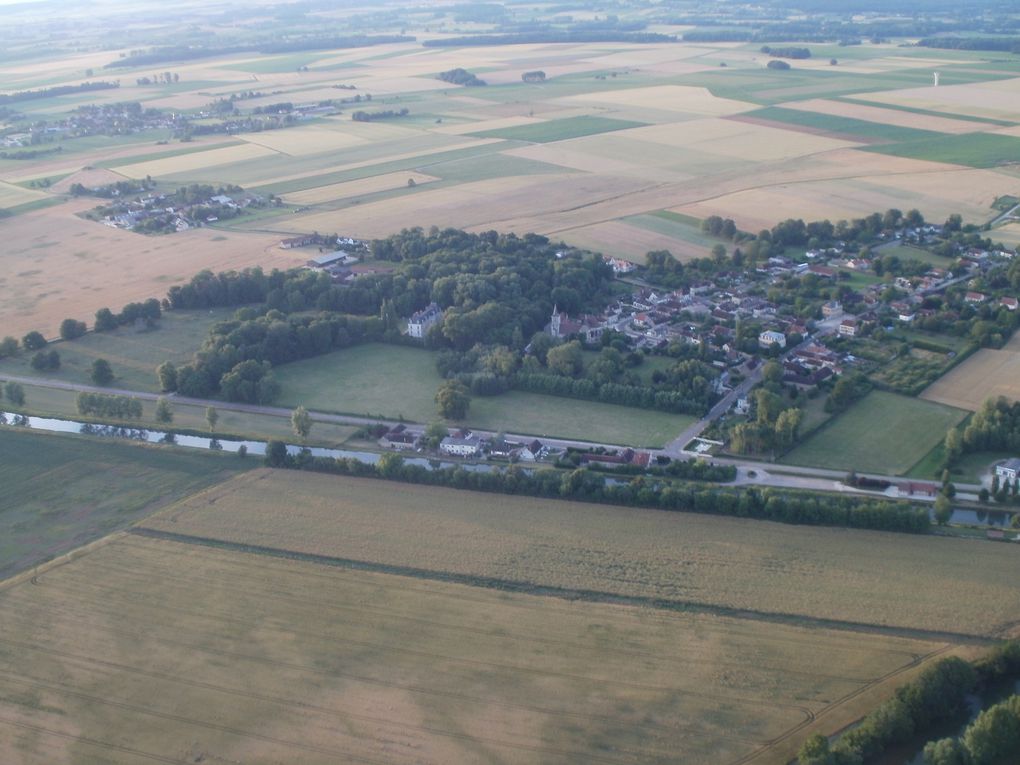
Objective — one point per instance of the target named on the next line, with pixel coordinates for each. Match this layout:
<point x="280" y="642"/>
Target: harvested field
<point x="195" y="161"/>
<point x="886" y="116"/>
<point x="371" y="185"/>
<point x="89" y="177"/>
<point x="679" y="98"/>
<point x="57" y="265"/>
<point x="1008" y="234"/>
<point x="985" y="374"/>
<point x="559" y="130"/>
<point x="864" y="577"/>
<point x="301" y="141"/>
<point x="147" y="648"/>
<point x="995" y="100"/>
<point x="631" y="240"/>
<point x="882" y="433"/>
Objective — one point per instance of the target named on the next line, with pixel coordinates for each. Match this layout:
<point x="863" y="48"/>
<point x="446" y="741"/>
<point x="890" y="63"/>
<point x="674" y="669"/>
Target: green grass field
<point x="677" y="226"/>
<point x="133" y="355"/>
<point x="972" y="150"/>
<point x="63" y="491"/>
<point x="883" y="433"/>
<point x="560" y="130"/>
<point x="393" y="381"/>
<point x="843" y="125"/>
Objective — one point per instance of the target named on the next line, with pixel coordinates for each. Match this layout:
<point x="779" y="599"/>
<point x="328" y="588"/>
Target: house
<point x="461" y="446"/>
<point x="421" y="321"/>
<point x="849" y="327"/>
<point x="770" y="337"/>
<point x="822" y="271"/>
<point x="618" y="265"/>
<point x="832" y="308"/>
<point x="531" y="452"/>
<point x="399" y="437"/>
<point x="1009" y="469"/>
<point x="1009" y="303"/>
<point x="974" y="297"/>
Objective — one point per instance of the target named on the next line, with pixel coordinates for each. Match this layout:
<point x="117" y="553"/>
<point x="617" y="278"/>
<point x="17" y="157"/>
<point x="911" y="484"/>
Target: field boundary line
<point x="32" y="573"/>
<point x="568" y="593"/>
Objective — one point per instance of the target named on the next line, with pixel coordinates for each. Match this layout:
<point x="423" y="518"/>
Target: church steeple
<point x="554" y="324"/>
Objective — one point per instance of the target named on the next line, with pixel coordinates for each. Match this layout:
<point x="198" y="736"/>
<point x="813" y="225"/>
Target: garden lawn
<point x="390" y="382"/>
<point x="883" y="433"/>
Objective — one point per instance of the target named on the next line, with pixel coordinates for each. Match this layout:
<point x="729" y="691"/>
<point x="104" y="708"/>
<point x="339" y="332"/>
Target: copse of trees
<point x="460" y="76"/>
<point x="105" y="405"/>
<point x="33" y="341"/>
<point x="791" y="52"/>
<point x="994" y="427"/>
<point x="46" y="361"/>
<point x="386" y="114"/>
<point x="777" y="64"/>
<point x="148" y="311"/>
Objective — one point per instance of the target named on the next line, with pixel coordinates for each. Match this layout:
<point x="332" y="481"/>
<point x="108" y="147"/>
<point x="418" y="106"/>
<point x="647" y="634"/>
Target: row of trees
<point x="105" y="405"/>
<point x="589" y="486"/>
<point x="993" y="737"/>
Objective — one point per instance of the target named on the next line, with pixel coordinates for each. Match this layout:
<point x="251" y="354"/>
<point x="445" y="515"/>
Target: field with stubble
<point x="720" y="565"/>
<point x="150" y="649"/>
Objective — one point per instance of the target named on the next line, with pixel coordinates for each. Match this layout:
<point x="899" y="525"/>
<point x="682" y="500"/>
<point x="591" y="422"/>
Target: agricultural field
<point x="882" y="433"/>
<point x="637" y="130"/>
<point x="348" y="382"/>
<point x="154" y="649"/>
<point x="985" y="374"/>
<point x="61" y="492"/>
<point x="57" y="265"/>
<point x="693" y="561"/>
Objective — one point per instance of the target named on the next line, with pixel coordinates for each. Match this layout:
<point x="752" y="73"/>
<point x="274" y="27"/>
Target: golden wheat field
<point x="57" y="265"/>
<point x="857" y="576"/>
<point x="986" y="374"/>
<point x="144" y="648"/>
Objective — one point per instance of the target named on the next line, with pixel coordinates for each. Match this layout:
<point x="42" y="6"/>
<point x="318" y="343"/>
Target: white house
<point x="1009" y="469"/>
<point x="468" y="446"/>
<point x="771" y="337"/>
<point x="421" y="321"/>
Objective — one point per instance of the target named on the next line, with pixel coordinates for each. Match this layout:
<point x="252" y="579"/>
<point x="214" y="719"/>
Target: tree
<point x="105" y="320"/>
<point x="452" y="400"/>
<point x="71" y="328"/>
<point x="211" y="417"/>
<point x="101" y="373"/>
<point x="947" y="751"/>
<point x="46" y="361"/>
<point x="301" y="421"/>
<point x="276" y="454"/>
<point x="15" y="393"/>
<point x="8" y="346"/>
<point x="434" y="434"/>
<point x="167" y="375"/>
<point x="33" y="341"/>
<point x="772" y="372"/>
<point x="566" y="359"/>
<point x="943" y="509"/>
<point x="164" y="412"/>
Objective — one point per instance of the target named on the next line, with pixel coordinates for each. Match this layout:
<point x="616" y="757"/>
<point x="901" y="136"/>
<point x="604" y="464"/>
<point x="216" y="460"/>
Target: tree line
<point x="106" y="405"/>
<point x="585" y="485"/>
<point x="937" y="695"/>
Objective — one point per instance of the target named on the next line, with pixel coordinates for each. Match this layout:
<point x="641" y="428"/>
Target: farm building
<point x="1009" y="469"/>
<point x="299" y="241"/>
<point x="337" y="258"/>
<point x="421" y="321"/>
<point x="399" y="437"/>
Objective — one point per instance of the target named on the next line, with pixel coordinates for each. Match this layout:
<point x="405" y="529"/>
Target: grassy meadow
<point x="61" y="492"/>
<point x="392" y="381"/>
<point x="133" y="354"/>
<point x="145" y="648"/>
<point x="722" y="565"/>
<point x="882" y="433"/>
